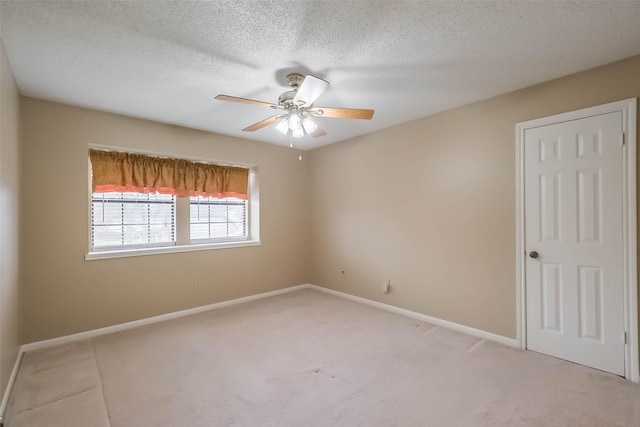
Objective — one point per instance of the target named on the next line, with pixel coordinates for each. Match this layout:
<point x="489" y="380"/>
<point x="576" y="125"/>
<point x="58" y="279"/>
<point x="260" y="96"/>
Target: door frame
<point x="628" y="107"/>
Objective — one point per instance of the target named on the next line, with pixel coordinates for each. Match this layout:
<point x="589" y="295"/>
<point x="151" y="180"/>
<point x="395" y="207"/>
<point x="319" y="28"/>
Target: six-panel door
<point x="573" y="220"/>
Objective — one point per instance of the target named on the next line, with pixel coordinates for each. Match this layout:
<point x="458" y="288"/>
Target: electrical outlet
<point x="387" y="286"/>
<point x="343" y="274"/>
<point x="193" y="285"/>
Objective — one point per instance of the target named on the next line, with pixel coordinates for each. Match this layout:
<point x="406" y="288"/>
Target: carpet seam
<point x="104" y="399"/>
<point x="474" y="346"/>
<point x="54" y="401"/>
<point x="432" y="330"/>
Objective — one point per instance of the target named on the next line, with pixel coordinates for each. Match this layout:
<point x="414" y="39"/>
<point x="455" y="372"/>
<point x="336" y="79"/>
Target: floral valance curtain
<point x="116" y="171"/>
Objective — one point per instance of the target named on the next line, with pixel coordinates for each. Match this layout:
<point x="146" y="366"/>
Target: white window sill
<point x="92" y="256"/>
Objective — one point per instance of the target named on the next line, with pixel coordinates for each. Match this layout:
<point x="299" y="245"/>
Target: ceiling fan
<point x="296" y="111"/>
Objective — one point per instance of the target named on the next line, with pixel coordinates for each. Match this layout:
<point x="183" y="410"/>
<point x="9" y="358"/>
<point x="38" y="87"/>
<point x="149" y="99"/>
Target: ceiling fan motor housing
<point x="286" y="99"/>
<point x="294" y="80"/>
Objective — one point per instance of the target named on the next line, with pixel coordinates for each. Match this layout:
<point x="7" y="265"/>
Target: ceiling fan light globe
<point x="295" y="122"/>
<point x="283" y="126"/>
<point x="309" y="125"/>
<point x="297" y="133"/>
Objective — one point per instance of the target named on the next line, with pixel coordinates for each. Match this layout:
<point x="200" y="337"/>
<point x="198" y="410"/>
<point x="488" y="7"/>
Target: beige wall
<point x="9" y="214"/>
<point x="65" y="294"/>
<point x="430" y="204"/>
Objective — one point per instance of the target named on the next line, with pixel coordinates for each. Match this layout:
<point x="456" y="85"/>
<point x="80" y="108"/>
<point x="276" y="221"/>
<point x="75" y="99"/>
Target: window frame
<point x="183" y="242"/>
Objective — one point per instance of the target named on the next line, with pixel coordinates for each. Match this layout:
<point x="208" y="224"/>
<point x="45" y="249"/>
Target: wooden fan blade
<point x="310" y="89"/>
<point x="245" y="101"/>
<point x="345" y="113"/>
<point x="266" y="122"/>
<point x="318" y="133"/>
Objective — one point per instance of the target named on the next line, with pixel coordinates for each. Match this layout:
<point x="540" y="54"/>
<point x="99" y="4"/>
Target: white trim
<point x="12" y="380"/>
<point x="91" y="256"/>
<point x="628" y="108"/>
<point x="422" y="317"/>
<point x="632" y="364"/>
<point x="155" y="319"/>
<point x="521" y="321"/>
<point x="253" y="215"/>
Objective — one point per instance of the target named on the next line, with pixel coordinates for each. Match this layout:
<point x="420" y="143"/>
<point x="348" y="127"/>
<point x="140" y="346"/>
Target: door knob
<point x="533" y="254"/>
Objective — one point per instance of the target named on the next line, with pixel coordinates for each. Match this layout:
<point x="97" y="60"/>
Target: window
<point x="218" y="219"/>
<point x="143" y="205"/>
<point x="130" y="220"/>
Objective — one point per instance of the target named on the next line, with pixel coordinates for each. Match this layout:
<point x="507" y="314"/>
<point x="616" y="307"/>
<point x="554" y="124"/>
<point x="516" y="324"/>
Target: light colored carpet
<point x="309" y="359"/>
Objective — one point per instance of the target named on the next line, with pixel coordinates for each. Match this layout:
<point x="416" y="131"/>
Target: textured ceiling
<point x="166" y="61"/>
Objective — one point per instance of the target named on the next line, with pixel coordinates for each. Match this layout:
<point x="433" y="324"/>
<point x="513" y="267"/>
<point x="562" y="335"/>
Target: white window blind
<point x="132" y="220"/>
<point x="215" y="219"/>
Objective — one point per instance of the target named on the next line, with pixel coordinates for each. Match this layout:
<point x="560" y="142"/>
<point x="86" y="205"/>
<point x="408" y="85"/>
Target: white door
<point x="574" y="240"/>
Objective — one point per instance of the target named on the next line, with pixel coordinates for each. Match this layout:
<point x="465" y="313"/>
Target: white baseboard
<point x="511" y="342"/>
<point x="12" y="380"/>
<point x="155" y="319"/>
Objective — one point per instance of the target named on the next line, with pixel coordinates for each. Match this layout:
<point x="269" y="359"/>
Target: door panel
<point x="551" y="289"/>
<point x="590" y="302"/>
<point x="589" y="205"/>
<point x="550" y="207"/>
<point x="573" y="219"/>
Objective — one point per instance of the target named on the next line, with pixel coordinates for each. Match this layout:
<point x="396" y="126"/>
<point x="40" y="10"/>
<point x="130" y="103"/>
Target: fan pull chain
<point x="291" y="144"/>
